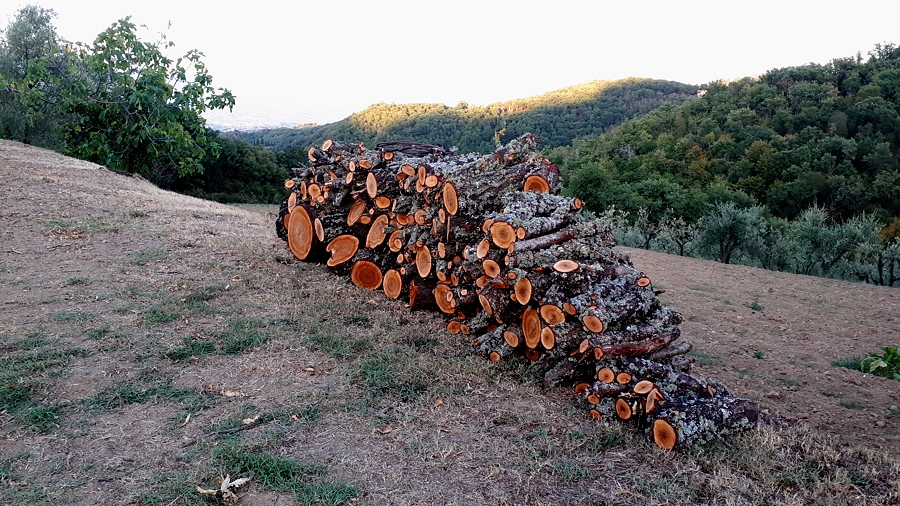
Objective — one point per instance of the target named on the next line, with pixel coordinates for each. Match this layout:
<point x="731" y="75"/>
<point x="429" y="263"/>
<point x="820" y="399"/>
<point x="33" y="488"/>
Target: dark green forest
<point x="817" y="134"/>
<point x="798" y="150"/>
<point x="556" y="118"/>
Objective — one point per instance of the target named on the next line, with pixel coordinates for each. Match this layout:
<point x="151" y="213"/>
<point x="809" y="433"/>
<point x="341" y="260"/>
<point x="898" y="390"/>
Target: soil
<point x="89" y="256"/>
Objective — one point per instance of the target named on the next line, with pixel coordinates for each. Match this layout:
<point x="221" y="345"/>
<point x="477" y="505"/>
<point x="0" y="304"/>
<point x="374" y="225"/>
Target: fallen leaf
<point x="248" y="421"/>
<point x="308" y="369"/>
<point x="231" y="393"/>
<point x="387" y="430"/>
<point x="186" y="420"/>
<point x="439" y="402"/>
<point x="206" y="491"/>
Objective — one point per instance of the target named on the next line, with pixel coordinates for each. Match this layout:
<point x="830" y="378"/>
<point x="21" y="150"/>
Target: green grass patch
<point x="240" y="335"/>
<point x="159" y="315"/>
<point x="337" y="345"/>
<point x="143" y="257"/>
<point x="756" y="306"/>
<point x="569" y="471"/>
<point x="77" y="280"/>
<point x="173" y="488"/>
<point x="42" y="418"/>
<point x="610" y="439"/>
<point x="148" y="387"/>
<point x="392" y="373"/>
<point x="73" y="316"/>
<point x="701" y="358"/>
<point x="305" y="480"/>
<point x="21" y="382"/>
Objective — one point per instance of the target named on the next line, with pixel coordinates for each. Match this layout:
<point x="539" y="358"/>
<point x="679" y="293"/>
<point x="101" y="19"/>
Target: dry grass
<point x="140" y="329"/>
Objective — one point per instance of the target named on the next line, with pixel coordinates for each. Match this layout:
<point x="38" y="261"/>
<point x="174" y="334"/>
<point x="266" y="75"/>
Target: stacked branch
<point x="488" y="241"/>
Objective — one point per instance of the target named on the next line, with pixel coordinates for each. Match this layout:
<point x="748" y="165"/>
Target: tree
<point x="129" y="106"/>
<point x="727" y="227"/>
<point x="30" y="40"/>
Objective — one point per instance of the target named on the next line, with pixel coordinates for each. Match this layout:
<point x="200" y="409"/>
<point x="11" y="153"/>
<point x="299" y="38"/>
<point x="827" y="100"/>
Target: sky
<point x="319" y="61"/>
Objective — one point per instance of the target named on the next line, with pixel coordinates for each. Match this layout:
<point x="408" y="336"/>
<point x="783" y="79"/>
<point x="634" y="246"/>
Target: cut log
<point x="664" y="434"/>
<point x="300" y="233"/>
<point x="548" y="339"/>
<point x="491" y="268"/>
<point x="643" y="387"/>
<point x="342" y="248"/>
<point x="511" y="338"/>
<point x="366" y="274"/>
<point x="537" y="184"/>
<point x="444" y="299"/>
<point x="376" y="232"/>
<point x="502" y="234"/>
<point x="392" y="283"/>
<point x="623" y="409"/>
<point x="606" y="375"/>
<point x="593" y="323"/>
<point x="552" y="314"/>
<point x="522" y="291"/>
<point x="531" y="327"/>
<point x="623" y="378"/>
<point x="565" y="266"/>
<point x="423" y="261"/>
<point x="356" y="211"/>
<point x="371" y="185"/>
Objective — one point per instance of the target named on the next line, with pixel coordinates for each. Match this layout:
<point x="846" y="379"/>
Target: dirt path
<point x="140" y="329"/>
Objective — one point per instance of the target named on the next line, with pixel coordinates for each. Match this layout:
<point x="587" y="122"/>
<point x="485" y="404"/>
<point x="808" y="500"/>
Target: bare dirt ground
<point x="151" y="343"/>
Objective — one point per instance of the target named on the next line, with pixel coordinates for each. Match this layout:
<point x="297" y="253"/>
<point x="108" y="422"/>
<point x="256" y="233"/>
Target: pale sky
<point x="323" y="60"/>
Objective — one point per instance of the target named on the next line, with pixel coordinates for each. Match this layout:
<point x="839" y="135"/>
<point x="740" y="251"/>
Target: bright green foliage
<point x="121" y="102"/>
<point x="131" y="108"/>
<point x="556" y="118"/>
<point x="887" y="364"/>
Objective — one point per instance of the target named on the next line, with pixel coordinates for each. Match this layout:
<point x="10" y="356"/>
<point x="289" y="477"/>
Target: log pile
<point x="488" y="241"/>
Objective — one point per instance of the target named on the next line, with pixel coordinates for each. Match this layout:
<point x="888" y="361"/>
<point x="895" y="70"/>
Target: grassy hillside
<point x="175" y="342"/>
<point x="556" y="117"/>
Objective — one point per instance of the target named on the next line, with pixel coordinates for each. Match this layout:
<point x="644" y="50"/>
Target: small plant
<point x="77" y="280"/>
<point x="756" y="306"/>
<point x="758" y="355"/>
<point x="887" y="364"/>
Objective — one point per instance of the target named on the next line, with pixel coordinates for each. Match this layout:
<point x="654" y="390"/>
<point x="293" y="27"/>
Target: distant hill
<point x="556" y="118"/>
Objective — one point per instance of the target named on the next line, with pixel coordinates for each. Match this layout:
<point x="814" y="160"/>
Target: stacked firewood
<point x="488" y="241"/>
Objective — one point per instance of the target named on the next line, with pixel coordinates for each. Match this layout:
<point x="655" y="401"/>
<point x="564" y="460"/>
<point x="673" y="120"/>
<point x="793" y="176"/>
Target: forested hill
<point x="826" y="135"/>
<point x="556" y="118"/>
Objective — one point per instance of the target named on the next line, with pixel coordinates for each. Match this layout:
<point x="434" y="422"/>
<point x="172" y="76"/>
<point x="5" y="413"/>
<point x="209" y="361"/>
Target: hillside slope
<point x="555" y="117"/>
<point x="151" y="342"/>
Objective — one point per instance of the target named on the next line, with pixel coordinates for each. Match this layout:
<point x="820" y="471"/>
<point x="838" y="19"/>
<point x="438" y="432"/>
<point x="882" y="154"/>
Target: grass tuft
<point x="303" y="479"/>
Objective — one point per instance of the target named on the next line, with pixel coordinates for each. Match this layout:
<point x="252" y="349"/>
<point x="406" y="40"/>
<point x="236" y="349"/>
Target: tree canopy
<point x="826" y="135"/>
<point x="121" y="101"/>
